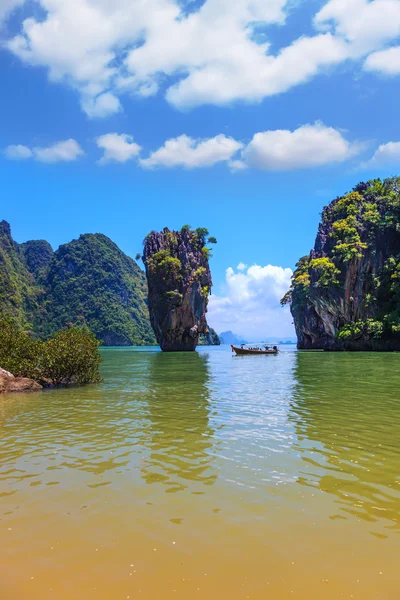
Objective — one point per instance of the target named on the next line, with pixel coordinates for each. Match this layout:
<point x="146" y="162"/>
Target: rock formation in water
<point x="179" y="283"/>
<point x="9" y="383"/>
<point x="346" y="293"/>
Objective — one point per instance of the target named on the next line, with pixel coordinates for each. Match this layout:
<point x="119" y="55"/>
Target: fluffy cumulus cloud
<point x="386" y="155"/>
<point x="193" y="54"/>
<point x="275" y="150"/>
<point x="386" y="62"/>
<point x="66" y="151"/>
<point x="184" y="151"/>
<point x="307" y="146"/>
<point x="117" y="147"/>
<point x="251" y="305"/>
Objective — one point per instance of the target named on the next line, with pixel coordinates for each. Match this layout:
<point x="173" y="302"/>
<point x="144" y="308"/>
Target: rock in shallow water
<point x="179" y="283"/>
<point x="9" y="383"/>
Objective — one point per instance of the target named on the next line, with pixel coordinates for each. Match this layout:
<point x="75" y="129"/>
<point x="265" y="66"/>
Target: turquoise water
<point x="274" y="475"/>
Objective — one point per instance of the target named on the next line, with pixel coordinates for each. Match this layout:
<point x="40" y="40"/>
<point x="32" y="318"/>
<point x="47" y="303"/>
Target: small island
<point x="179" y="283"/>
<point x="345" y="294"/>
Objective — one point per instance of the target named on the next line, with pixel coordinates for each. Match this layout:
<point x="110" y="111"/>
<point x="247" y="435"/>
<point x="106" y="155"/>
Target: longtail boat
<point x="266" y="350"/>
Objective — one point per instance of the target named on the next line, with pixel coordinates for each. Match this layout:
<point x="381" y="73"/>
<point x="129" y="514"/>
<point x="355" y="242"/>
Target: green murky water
<point x="205" y="475"/>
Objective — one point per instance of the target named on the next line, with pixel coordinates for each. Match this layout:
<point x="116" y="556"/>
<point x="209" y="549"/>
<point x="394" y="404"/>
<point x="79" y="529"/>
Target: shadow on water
<point x="181" y="438"/>
<point x="346" y="409"/>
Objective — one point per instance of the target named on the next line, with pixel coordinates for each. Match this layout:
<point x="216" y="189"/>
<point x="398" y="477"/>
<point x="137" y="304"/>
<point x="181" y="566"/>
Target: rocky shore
<point x="9" y="383"/>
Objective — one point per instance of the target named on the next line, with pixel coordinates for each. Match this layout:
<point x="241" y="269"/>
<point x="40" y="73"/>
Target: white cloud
<point x="365" y="25"/>
<point x="103" y="105"/>
<point x="66" y="151"/>
<point x="386" y="154"/>
<point x="307" y="146"/>
<point x="18" y="152"/>
<point x="117" y="147"/>
<point x="187" y="152"/>
<point x="251" y="306"/>
<point x="241" y="266"/>
<point x="386" y="62"/>
<point x="195" y="55"/>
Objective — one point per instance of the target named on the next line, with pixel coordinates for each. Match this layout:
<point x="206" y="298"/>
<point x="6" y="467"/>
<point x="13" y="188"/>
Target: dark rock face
<point x="179" y="282"/>
<point x="346" y="294"/>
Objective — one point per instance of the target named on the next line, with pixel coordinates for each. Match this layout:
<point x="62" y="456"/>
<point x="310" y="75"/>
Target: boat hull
<point x="245" y="351"/>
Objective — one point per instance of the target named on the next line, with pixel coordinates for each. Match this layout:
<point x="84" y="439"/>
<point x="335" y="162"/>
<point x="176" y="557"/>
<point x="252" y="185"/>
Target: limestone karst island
<point x="199" y="300"/>
<point x="124" y="385"/>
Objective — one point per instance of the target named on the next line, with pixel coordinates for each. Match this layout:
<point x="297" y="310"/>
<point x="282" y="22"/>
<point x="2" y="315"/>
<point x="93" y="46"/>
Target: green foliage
<point x="199" y="272"/>
<point x="138" y="256"/>
<point x="202" y="232"/>
<point x="347" y="237"/>
<point x="326" y="270"/>
<point x="361" y="330"/>
<point x="206" y="252"/>
<point x="174" y="298"/>
<point x="88" y="282"/>
<point x="71" y="356"/>
<point x="91" y="283"/>
<point x="212" y="240"/>
<point x="19" y="353"/>
<point x="211" y="338"/>
<point x="301" y="281"/>
<point x="165" y="266"/>
<point x="19" y="294"/>
<point x="185" y="228"/>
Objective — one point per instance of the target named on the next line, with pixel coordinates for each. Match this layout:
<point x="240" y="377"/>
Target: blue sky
<point x="123" y="116"/>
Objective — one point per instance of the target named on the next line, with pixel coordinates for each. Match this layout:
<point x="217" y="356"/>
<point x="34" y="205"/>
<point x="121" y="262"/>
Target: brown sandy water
<point x="205" y="476"/>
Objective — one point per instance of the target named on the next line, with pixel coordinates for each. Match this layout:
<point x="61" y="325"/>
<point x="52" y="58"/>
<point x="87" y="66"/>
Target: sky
<point x="245" y="117"/>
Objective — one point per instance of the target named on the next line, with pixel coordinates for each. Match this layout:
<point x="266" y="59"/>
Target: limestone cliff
<point x="346" y="293"/>
<point x="179" y="283"/>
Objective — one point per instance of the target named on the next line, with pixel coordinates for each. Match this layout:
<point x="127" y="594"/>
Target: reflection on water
<point x="206" y="476"/>
<point x="347" y="413"/>
<point x="181" y="438"/>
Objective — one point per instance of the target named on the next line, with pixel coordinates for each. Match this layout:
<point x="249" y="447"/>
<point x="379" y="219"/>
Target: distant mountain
<point x="228" y="337"/>
<point x="91" y="282"/>
<point x="88" y="282"/>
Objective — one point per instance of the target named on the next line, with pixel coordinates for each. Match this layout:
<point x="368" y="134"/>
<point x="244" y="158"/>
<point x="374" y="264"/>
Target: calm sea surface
<point x="205" y="476"/>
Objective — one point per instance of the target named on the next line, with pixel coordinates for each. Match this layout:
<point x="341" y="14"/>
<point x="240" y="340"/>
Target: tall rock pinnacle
<point x="179" y="283"/>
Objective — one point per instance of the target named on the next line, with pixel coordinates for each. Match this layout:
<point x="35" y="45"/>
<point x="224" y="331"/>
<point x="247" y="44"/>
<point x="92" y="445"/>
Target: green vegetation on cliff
<point x="89" y="283"/>
<point x="210" y="339"/>
<point x="346" y="293"/>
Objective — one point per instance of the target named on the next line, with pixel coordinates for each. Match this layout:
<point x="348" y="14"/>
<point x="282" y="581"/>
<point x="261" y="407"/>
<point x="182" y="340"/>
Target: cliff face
<point x="346" y="293"/>
<point x="179" y="283"/>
